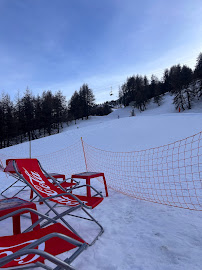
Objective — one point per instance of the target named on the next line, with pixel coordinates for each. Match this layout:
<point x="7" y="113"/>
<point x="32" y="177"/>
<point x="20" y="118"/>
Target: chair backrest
<point x="13" y="243"/>
<point x="32" y="173"/>
<point x="9" y="166"/>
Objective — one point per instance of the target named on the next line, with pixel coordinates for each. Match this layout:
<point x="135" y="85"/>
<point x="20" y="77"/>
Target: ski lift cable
<point x="109" y="85"/>
<point x="118" y="83"/>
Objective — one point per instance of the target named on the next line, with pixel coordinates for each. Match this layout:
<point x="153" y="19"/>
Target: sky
<point x="60" y="45"/>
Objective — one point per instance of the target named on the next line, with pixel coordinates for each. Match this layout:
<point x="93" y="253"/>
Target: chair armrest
<point x="52" y="235"/>
<point x="41" y="253"/>
<point x="71" y="189"/>
<point x="70" y="178"/>
<point x="24" y="210"/>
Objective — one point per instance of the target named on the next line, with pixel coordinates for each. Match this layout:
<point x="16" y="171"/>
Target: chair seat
<point x="66" y="184"/>
<point x="54" y="246"/>
<point x="90" y="201"/>
<point x="71" y="202"/>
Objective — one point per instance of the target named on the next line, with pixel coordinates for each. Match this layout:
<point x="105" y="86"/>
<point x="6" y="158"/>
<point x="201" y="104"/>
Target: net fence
<point x="169" y="174"/>
<point x="65" y="161"/>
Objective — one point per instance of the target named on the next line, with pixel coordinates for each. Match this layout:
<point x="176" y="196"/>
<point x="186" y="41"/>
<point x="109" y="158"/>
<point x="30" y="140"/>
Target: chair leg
<point x="31" y="194"/>
<point x="8" y="188"/>
<point x="16" y="225"/>
<point x="60" y="216"/>
<point x="67" y="212"/>
<point x="105" y="184"/>
<point x="101" y="228"/>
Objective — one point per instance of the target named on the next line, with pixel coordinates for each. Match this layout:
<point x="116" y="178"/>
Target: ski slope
<point x="138" y="234"/>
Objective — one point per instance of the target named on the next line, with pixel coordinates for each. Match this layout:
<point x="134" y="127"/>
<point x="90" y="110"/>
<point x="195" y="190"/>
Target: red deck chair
<point x="29" y="170"/>
<point x="31" y="248"/>
<point x="22" y="186"/>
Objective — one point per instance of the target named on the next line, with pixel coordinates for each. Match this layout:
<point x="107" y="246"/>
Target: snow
<point x="138" y="234"/>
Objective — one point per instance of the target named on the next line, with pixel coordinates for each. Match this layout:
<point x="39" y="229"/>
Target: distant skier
<point x="118" y="116"/>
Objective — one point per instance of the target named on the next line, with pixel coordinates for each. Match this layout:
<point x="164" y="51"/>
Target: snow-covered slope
<point x="138" y="235"/>
<point x="156" y="126"/>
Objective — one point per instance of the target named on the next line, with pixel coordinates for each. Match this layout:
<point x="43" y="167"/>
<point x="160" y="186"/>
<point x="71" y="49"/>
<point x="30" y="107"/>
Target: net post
<point x="30" y="149"/>
<point x="84" y="154"/>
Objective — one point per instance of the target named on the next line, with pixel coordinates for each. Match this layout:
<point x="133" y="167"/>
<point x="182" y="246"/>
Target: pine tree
<point x="7" y="120"/>
<point x="198" y="89"/>
<point x="187" y="77"/>
<point x="166" y="81"/>
<point x="153" y="86"/>
<point x="59" y="106"/>
<point x="198" y="68"/>
<point x="175" y="77"/>
<point x="38" y="119"/>
<point x="122" y="92"/>
<point x="18" y="115"/>
<point x="130" y="91"/>
<point x="74" y="105"/>
<point x="28" y="114"/>
<point x="47" y="111"/>
<point x="87" y="100"/>
<point x="146" y="88"/>
<point x="139" y="93"/>
<point x="158" y="94"/>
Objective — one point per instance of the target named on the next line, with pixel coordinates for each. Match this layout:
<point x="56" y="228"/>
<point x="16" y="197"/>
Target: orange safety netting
<point x="65" y="161"/>
<point x="169" y="174"/>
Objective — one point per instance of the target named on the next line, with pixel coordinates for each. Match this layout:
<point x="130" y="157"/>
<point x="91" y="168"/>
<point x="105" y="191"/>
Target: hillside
<point x="156" y="126"/>
<point x="138" y="234"/>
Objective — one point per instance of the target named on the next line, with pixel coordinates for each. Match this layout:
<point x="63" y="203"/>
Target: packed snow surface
<point x="138" y="235"/>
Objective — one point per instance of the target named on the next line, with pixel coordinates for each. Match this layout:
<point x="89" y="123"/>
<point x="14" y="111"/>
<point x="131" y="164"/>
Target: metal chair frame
<point x="30" y="249"/>
<point x="81" y="205"/>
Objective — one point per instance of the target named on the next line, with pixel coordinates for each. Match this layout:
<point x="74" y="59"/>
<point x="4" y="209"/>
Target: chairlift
<point x="111" y="93"/>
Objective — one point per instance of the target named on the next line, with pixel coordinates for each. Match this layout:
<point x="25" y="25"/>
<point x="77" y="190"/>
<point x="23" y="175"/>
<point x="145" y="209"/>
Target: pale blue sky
<point x="61" y="44"/>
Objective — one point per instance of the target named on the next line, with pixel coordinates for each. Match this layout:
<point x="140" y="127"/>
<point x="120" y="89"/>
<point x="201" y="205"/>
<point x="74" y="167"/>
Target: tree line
<point x="184" y="84"/>
<point x="31" y="117"/>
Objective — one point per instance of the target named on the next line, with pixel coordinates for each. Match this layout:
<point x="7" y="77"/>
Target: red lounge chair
<point x="30" y="248"/>
<point x="30" y="171"/>
<point x="10" y="170"/>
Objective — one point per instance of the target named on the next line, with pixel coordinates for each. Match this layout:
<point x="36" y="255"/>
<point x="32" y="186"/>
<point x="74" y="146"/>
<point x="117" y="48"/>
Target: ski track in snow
<point x="138" y="234"/>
